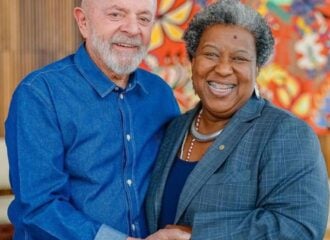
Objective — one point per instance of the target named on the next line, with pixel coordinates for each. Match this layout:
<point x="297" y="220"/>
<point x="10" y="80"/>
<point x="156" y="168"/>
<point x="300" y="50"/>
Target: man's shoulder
<point x="151" y="79"/>
<point x="55" y="68"/>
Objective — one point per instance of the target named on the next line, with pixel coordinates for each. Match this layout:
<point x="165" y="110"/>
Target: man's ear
<point x="80" y="16"/>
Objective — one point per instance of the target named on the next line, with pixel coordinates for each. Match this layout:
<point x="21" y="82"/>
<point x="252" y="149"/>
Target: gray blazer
<point x="264" y="177"/>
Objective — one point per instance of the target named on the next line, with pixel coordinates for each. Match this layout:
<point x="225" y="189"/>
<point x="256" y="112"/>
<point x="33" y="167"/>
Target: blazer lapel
<point x="166" y="157"/>
<point x="218" y="152"/>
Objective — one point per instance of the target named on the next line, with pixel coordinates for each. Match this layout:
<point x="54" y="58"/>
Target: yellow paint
<point x="173" y="32"/>
<point x="180" y="14"/>
<point x="302" y="106"/>
<point x="157" y="37"/>
<point x="165" y="5"/>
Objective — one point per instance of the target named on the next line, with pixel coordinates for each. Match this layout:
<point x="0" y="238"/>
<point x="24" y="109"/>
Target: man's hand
<point x="181" y="227"/>
<point x="171" y="232"/>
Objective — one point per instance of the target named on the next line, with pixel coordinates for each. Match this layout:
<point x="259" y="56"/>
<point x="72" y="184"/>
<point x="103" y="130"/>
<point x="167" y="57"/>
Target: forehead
<point x="131" y="5"/>
<point x="228" y="36"/>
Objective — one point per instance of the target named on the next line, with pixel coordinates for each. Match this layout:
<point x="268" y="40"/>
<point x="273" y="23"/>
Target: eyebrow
<point x="208" y="45"/>
<point x="242" y="51"/>
<point x="116" y="7"/>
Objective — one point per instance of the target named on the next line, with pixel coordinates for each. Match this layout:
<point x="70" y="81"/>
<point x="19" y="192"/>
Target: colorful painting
<point x="298" y="76"/>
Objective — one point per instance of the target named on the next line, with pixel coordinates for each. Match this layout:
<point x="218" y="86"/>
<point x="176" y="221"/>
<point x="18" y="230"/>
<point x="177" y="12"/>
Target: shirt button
<point x="129" y="182"/>
<point x="116" y="88"/>
<point x="121" y="96"/>
<point x="221" y="147"/>
<point x="128" y="137"/>
<point x="133" y="227"/>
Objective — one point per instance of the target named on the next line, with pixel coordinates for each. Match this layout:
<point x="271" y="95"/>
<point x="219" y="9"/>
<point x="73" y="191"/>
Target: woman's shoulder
<point x="184" y="117"/>
<point x="275" y="113"/>
<point x="281" y="118"/>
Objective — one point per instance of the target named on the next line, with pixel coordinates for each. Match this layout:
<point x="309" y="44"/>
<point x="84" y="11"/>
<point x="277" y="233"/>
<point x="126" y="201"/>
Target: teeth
<point x="221" y="86"/>
<point x="125" y="45"/>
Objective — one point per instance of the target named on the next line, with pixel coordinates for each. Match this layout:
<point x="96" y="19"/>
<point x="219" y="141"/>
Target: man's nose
<point x="131" y="26"/>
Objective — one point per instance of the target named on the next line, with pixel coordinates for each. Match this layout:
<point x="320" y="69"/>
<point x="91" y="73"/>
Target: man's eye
<point x="145" y="20"/>
<point x="115" y="15"/>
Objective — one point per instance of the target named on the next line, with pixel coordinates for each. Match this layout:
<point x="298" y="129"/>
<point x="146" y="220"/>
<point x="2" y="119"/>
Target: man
<point x="83" y="132"/>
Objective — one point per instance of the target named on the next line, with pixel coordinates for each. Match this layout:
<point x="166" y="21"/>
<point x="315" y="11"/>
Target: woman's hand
<point x="184" y="228"/>
<point x="171" y="232"/>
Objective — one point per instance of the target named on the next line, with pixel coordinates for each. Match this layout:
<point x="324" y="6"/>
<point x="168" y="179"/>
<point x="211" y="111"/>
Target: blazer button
<point x="221" y="147"/>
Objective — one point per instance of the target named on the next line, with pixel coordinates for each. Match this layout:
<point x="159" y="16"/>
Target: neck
<point x="119" y="80"/>
<point x="210" y="123"/>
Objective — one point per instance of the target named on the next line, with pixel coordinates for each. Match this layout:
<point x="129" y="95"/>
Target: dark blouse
<point x="175" y="182"/>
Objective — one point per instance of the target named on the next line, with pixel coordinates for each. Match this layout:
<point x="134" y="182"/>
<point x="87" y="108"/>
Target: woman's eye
<point x="210" y="54"/>
<point x="240" y="59"/>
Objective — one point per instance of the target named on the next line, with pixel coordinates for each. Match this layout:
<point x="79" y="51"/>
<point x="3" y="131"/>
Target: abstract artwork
<point x="297" y="78"/>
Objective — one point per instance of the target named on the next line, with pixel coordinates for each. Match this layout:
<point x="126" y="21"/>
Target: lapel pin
<point x="221" y="147"/>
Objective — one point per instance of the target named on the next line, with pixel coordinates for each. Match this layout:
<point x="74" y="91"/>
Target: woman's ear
<point x="192" y="62"/>
<point x="81" y="19"/>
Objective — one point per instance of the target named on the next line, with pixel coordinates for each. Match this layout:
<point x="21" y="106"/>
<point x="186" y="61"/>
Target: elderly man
<point x="82" y="133"/>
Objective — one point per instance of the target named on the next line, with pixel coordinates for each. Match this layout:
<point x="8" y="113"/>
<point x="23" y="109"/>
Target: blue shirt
<point x="174" y="184"/>
<point x="81" y="150"/>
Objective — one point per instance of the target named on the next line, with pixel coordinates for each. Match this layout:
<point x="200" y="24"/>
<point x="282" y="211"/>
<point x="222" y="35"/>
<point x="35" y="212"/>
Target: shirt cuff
<point x="105" y="233"/>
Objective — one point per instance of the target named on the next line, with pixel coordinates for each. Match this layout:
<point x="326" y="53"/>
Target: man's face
<point x="117" y="32"/>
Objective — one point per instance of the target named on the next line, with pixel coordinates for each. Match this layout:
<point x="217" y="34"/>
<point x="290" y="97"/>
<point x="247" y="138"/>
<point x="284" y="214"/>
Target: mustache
<point x="120" y="39"/>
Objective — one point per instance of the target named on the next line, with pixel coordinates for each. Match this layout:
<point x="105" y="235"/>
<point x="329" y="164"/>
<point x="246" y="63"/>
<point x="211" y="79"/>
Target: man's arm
<point x="41" y="186"/>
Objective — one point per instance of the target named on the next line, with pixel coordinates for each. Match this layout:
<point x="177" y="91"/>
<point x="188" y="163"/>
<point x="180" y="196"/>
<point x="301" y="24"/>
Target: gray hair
<point x="231" y="12"/>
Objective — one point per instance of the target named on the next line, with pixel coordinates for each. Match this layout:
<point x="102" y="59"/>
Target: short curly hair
<point x="231" y="12"/>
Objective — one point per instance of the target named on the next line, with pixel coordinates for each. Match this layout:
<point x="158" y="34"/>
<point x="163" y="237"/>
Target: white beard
<point x="119" y="62"/>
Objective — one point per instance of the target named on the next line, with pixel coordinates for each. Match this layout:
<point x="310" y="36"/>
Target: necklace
<point x="196" y="136"/>
<point x="189" y="149"/>
<point x="199" y="136"/>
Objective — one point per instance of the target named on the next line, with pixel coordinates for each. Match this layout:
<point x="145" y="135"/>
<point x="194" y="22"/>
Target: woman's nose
<point x="224" y="67"/>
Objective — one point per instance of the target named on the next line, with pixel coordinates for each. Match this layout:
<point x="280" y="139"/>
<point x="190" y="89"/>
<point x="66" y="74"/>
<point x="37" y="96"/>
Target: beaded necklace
<point x="197" y="136"/>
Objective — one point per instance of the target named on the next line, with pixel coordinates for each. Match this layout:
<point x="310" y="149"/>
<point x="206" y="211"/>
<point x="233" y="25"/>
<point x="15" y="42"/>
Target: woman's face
<point x="224" y="69"/>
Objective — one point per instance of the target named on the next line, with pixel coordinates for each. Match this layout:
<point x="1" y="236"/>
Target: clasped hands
<point x="170" y="232"/>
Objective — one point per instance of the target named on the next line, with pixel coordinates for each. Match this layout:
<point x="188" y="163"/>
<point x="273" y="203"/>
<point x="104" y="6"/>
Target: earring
<point x="256" y="91"/>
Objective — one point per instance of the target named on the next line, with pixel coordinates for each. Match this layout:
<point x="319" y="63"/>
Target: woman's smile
<point x="220" y="89"/>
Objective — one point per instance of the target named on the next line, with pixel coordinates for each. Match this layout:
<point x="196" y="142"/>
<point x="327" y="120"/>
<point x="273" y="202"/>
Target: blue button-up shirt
<point x="81" y="150"/>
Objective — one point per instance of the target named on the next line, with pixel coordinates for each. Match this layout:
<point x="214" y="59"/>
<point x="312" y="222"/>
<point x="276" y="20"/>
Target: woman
<point x="237" y="167"/>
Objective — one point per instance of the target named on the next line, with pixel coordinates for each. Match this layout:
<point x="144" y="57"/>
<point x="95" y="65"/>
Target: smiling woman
<point x="224" y="70"/>
<point x="233" y="166"/>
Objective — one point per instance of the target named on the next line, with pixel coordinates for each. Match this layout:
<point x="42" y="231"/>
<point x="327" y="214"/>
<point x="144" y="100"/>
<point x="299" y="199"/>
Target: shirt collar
<point x="97" y="79"/>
